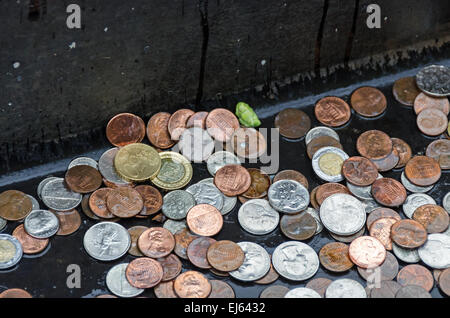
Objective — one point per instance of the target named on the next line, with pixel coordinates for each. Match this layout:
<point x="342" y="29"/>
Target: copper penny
<point x="423" y="171"/>
<point x="408" y="234"/>
<point x="319" y="285"/>
<point x="332" y="111"/>
<point x="387" y="271"/>
<point x="381" y="229"/>
<point x="165" y="290"/>
<point x="160" y="218"/>
<point x="124" y="202"/>
<point x="424" y="101"/>
<point x="204" y="220"/>
<point x="243" y="200"/>
<point x="182" y="240"/>
<point x="432" y="122"/>
<point x="292" y="123"/>
<point x="359" y="171"/>
<point x="444" y="281"/>
<point x="313" y="198"/>
<point x="219" y="273"/>
<point x="328" y="189"/>
<point x="158" y="132"/>
<point x="380" y="213"/>
<point x="192" y="284"/>
<point x="97" y="203"/>
<point x="291" y="175"/>
<point x="14" y="205"/>
<point x="334" y="257"/>
<point x="259" y="186"/>
<point x="367" y="252"/>
<point x="298" y="227"/>
<point x="276" y="291"/>
<point x="349" y="238"/>
<point x="436" y="274"/>
<point x="30" y="245"/>
<point x="403" y="150"/>
<point x="225" y="256"/>
<point x="416" y="275"/>
<point x="433" y="217"/>
<point x="171" y="265"/>
<point x="368" y="101"/>
<point x="197" y="250"/>
<point x="15" y="293"/>
<point x="177" y="122"/>
<point x="220" y="289"/>
<point x="321" y="142"/>
<point x="135" y="232"/>
<point x="374" y="144"/>
<point x="439" y="150"/>
<point x="69" y="221"/>
<point x="270" y="277"/>
<point x="387" y="289"/>
<point x="389" y="192"/>
<point x="221" y="124"/>
<point x="248" y="143"/>
<point x="232" y="180"/>
<point x="153" y="199"/>
<point x="86" y="209"/>
<point x="388" y="163"/>
<point x="124" y="129"/>
<point x="156" y="242"/>
<point x="144" y="272"/>
<point x="405" y="90"/>
<point x="83" y="179"/>
<point x="197" y="120"/>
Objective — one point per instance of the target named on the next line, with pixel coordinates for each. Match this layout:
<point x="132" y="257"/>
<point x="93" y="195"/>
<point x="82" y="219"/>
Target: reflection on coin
<point x="10" y="251"/>
<point x="288" y="196"/>
<point x="196" y="144"/>
<point x="367" y="252"/>
<point x="258" y="217"/>
<point x="228" y="203"/>
<point x="205" y="193"/>
<point x="177" y="204"/>
<point x="436" y="251"/>
<point x="41" y="224"/>
<point x="204" y="220"/>
<point x="412" y="187"/>
<point x="106" y="168"/>
<point x="345" y="288"/>
<point x="118" y="284"/>
<point x="174" y="226"/>
<point x="276" y="291"/>
<point x="413" y="201"/>
<point x="405" y="254"/>
<point x="327" y="164"/>
<point x="256" y="263"/>
<point x="58" y="197"/>
<point x="302" y="292"/>
<point x="320" y="131"/>
<point x="175" y="172"/>
<point x="220" y="159"/>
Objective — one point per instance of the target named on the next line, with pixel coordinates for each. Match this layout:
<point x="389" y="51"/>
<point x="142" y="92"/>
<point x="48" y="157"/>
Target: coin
<point x="276" y="291"/>
<point x="152" y="199"/>
<point x="388" y="163"/>
<point x="86" y="209"/>
<point x="10" y="251"/>
<point x="439" y="150"/>
<point x="69" y="222"/>
<point x="256" y="263"/>
<point x="124" y="202"/>
<point x="302" y="292"/>
<point x="219" y="273"/>
<point x="228" y="203"/>
<point x="299" y="227"/>
<point x="315" y="214"/>
<point x="137" y="162"/>
<point x="206" y="193"/>
<point x="15" y="293"/>
<point x="196" y="144"/>
<point x="107" y="241"/>
<point x="124" y="129"/>
<point x="157" y="131"/>
<point x="292" y="123"/>
<point x="83" y="161"/>
<point x="334" y="257"/>
<point x="313" y="199"/>
<point x="374" y="144"/>
<point x="403" y="150"/>
<point x="412" y="187"/>
<point x="332" y="111"/>
<point x="432" y="122"/>
<point x="423" y="171"/>
<point x="198" y="119"/>
<point x="182" y="240"/>
<point x="321" y="142"/>
<point x="370" y="206"/>
<point x="405" y="90"/>
<point x="424" y="101"/>
<point x="106" y="168"/>
<point x="83" y="179"/>
<point x="221" y="123"/>
<point x="405" y="254"/>
<point x="220" y="159"/>
<point x="367" y="252"/>
<point x="387" y="271"/>
<point x="174" y="226"/>
<point x="320" y="285"/>
<point x="41" y="185"/>
<point x="320" y="131"/>
<point x="135" y="232"/>
<point x="58" y="197"/>
<point x="30" y="245"/>
<point x="328" y="189"/>
<point x="117" y="282"/>
<point x="156" y="242"/>
<point x="232" y="180"/>
<point x="381" y="229"/>
<point x="387" y="289"/>
<point x="345" y="288"/>
<point x="416" y="275"/>
<point x="248" y="143"/>
<point x="269" y="278"/>
<point x="444" y="281"/>
<point x="41" y="224"/>
<point x="192" y="284"/>
<point x="220" y="289"/>
<point x="434" y="80"/>
<point x="359" y="171"/>
<point x="368" y="101"/>
<point x="260" y="183"/>
<point x="327" y="164"/>
<point x="177" y="204"/>
<point x="412" y="291"/>
<point x="433" y="217"/>
<point x="348" y="238"/>
<point x="225" y="256"/>
<point x="258" y="217"/>
<point x="144" y="272"/>
<point x="436" y="251"/>
<point x="165" y="290"/>
<point x="389" y="192"/>
<point x="204" y="220"/>
<point x="288" y="196"/>
<point x="291" y="175"/>
<point x="415" y="200"/>
<point x="97" y="203"/>
<point x="446" y="202"/>
<point x="408" y="234"/>
<point x="14" y="205"/>
<point x="197" y="250"/>
<point x="177" y="122"/>
<point x="34" y="203"/>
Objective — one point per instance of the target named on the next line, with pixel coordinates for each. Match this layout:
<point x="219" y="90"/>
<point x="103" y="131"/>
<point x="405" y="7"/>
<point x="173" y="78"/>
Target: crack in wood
<point x="351" y="36"/>
<point x="318" y="47"/>
<point x="203" y="10"/>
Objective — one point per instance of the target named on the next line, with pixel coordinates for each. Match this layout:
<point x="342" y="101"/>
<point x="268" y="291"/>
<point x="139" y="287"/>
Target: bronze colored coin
<point x="225" y="256"/>
<point x="292" y="123"/>
<point x="248" y="143"/>
<point x="388" y="289"/>
<point x="204" y="220"/>
<point x="433" y="217"/>
<point x="374" y="144"/>
<point x="380" y="213"/>
<point x="389" y="192"/>
<point x="403" y="150"/>
<point x="156" y="242"/>
<point x="182" y="240"/>
<point x="197" y="120"/>
<point x="242" y="199"/>
<point x="439" y="150"/>
<point x="259" y="185"/>
<point x="177" y="122"/>
<point x="321" y="142"/>
<point x="359" y="171"/>
<point x="15" y="293"/>
<point x="381" y="229"/>
<point x="97" y="203"/>
<point x="313" y="198"/>
<point x="30" y="245"/>
<point x="69" y="221"/>
<point x="291" y="175"/>
<point x="332" y="111"/>
<point x="319" y="285"/>
<point x="124" y="129"/>
<point x="368" y="101"/>
<point x="444" y="281"/>
<point x="349" y="238"/>
<point x="408" y="234"/>
<point x="153" y="199"/>
<point x="165" y="290"/>
<point x="113" y="185"/>
<point x="160" y="218"/>
<point x="135" y="232"/>
<point x="432" y="122"/>
<point x="157" y="131"/>
<point x="388" y="163"/>
<point x="424" y="101"/>
<point x="385" y="272"/>
<point x="83" y="179"/>
<point x="232" y="180"/>
<point x="436" y="274"/>
<point x="328" y="189"/>
<point x="124" y="202"/>
<point x="298" y="227"/>
<point x="416" y="275"/>
<point x="405" y="90"/>
<point x="334" y="257"/>
<point x="276" y="291"/>
<point x="221" y="124"/>
<point x="144" y="272"/>
<point x="423" y="171"/>
<point x="171" y="265"/>
<point x="197" y="250"/>
<point x="192" y="284"/>
<point x="14" y="205"/>
<point x="220" y="289"/>
<point x="219" y="273"/>
<point x="367" y="252"/>
<point x="270" y="277"/>
<point x="86" y="209"/>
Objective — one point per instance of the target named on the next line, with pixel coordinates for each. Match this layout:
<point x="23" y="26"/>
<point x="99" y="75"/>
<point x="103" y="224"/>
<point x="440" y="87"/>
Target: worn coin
<point x="374" y="144"/>
<point x="97" y="203"/>
<point x="436" y="251"/>
<point x="405" y="90"/>
<point x="334" y="257"/>
<point x="387" y="271"/>
<point x="10" y="251"/>
<point x="135" y="232"/>
<point x="256" y="263"/>
<point x="423" y="171"/>
<point x="416" y="275"/>
<point x="248" y="143"/>
<point x="165" y="290"/>
<point x="156" y="242"/>
<point x="332" y="111"/>
<point x="69" y="222"/>
<point x="299" y="227"/>
<point x="83" y="179"/>
<point x="408" y="234"/>
<point x="260" y="183"/>
<point x="124" y="129"/>
<point x="30" y="245"/>
<point x="144" y="272"/>
<point x="182" y="240"/>
<point x="403" y="150"/>
<point x="424" y="101"/>
<point x="221" y="124"/>
<point x="321" y="142"/>
<point x="434" y="80"/>
<point x="389" y="192"/>
<point x="406" y="255"/>
<point x="225" y="256"/>
<point x="15" y="293"/>
<point x="387" y="289"/>
<point x="14" y="205"/>
<point x="276" y="291"/>
<point x="232" y="180"/>
<point x="117" y="282"/>
<point x="432" y="122"/>
<point x="204" y="220"/>
<point x="258" y="217"/>
<point x="206" y="193"/>
<point x="320" y="285"/>
<point x="327" y="164"/>
<point x="388" y="163"/>
<point x="220" y="159"/>
<point x="58" y="197"/>
<point x="444" y="281"/>
<point x="415" y="200"/>
<point x="124" y="202"/>
<point x="177" y="122"/>
<point x="220" y="289"/>
<point x="291" y="175"/>
<point x="41" y="224"/>
<point x="152" y="198"/>
<point x="359" y="171"/>
<point x="412" y="187"/>
<point x="439" y="150"/>
<point x="433" y="217"/>
<point x="197" y="250"/>
<point x="107" y="241"/>
<point x="328" y="189"/>
<point x="34" y="203"/>
<point x="302" y="292"/>
<point x="137" y="162"/>
<point x="157" y="131"/>
<point x="192" y="284"/>
<point x="196" y="144"/>
<point x="368" y="101"/>
<point x="412" y="291"/>
<point x="345" y="288"/>
<point x="292" y="123"/>
<point x="381" y="229"/>
<point x="177" y="204"/>
<point x="198" y="119"/>
<point x="106" y="168"/>
<point x="228" y="202"/>
<point x="367" y="252"/>
<point x="312" y="197"/>
<point x="288" y="196"/>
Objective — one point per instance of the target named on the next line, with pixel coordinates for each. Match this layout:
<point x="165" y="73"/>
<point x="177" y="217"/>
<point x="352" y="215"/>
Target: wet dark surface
<point x="45" y="275"/>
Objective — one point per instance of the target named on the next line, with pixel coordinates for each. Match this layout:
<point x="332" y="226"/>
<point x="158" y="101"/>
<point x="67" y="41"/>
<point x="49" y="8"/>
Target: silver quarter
<point x="196" y="144"/>
<point x="320" y="131"/>
<point x="258" y="217"/>
<point x="11" y="251"/>
<point x="117" y="282"/>
<point x="415" y="200"/>
<point x="34" y="203"/>
<point x="436" y="251"/>
<point x="446" y="202"/>
<point x="176" y="204"/>
<point x="83" y="161"/>
<point x="434" y="80"/>
<point x="256" y="263"/>
<point x="288" y="196"/>
<point x="362" y="193"/>
<point x="3" y="223"/>
<point x="42" y="184"/>
<point x="107" y="241"/>
<point x="410" y="256"/>
<point x="41" y="224"/>
<point x="370" y="205"/>
<point x="220" y="159"/>
<point x="174" y="226"/>
<point x="412" y="187"/>
<point x="57" y="196"/>
<point x="107" y="170"/>
<point x="316" y="167"/>
<point x="205" y="193"/>
<point x="343" y="214"/>
<point x="315" y="214"/>
<point x="228" y="202"/>
<point x="345" y="288"/>
<point x="302" y="292"/>
<point x="295" y="261"/>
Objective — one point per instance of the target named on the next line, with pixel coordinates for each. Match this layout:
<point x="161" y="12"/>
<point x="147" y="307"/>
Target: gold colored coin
<point x="137" y="162"/>
<point x="175" y="173"/>
<point x="331" y="164"/>
<point x="7" y="251"/>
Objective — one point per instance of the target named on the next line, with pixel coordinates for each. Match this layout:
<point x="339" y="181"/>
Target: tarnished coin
<point x="30" y="245"/>
<point x="367" y="252"/>
<point x="137" y="162"/>
<point x="192" y="284"/>
<point x="225" y="256"/>
<point x="165" y="290"/>
<point x="258" y="217"/>
<point x="412" y="187"/>
<point x="221" y="124"/>
<point x="260" y="183"/>
<point x="433" y="217"/>
<point x="196" y="144"/>
<point x="412" y="291"/>
<point x="288" y="196"/>
<point x="204" y="220"/>
<point x="444" y="282"/>
<point x="15" y="293"/>
<point x="248" y="143"/>
<point x="404" y="152"/>
<point x="197" y="250"/>
<point x="182" y="240"/>
<point x="388" y="163"/>
<point x="328" y="189"/>
<point x="276" y="291"/>
<point x="332" y="111"/>
<point x="58" y="197"/>
<point x="321" y="142"/>
<point x="405" y="254"/>
<point x="348" y="238"/>
<point x="434" y="80"/>
<point x="436" y="251"/>
<point x="220" y="159"/>
<point x="124" y="129"/>
<point x="206" y="193"/>
<point x="144" y="272"/>
<point x="389" y="192"/>
<point x="10" y="251"/>
<point x="153" y="199"/>
<point x="175" y="173"/>
<point x="106" y="168"/>
<point x="359" y="171"/>
<point x="405" y="90"/>
<point x="327" y="164"/>
<point x="156" y="242"/>
<point x="171" y="265"/>
<point x="228" y="202"/>
<point x="117" y="282"/>
<point x="174" y="226"/>
<point x="416" y="275"/>
<point x="381" y="213"/>
<point x="83" y="179"/>
<point x="302" y="292"/>
<point x="256" y="263"/>
<point x="299" y="227"/>
<point x="97" y="203"/>
<point x="320" y="285"/>
<point x="345" y="288"/>
<point x="220" y="289"/>
<point x="14" y="205"/>
<point x="374" y="144"/>
<point x="446" y="202"/>
<point x="177" y="204"/>
<point x="368" y="101"/>
<point x="135" y="232"/>
<point x="41" y="224"/>
<point x="291" y="175"/>
<point x="295" y="261"/>
<point x="432" y="122"/>
<point x="107" y="241"/>
<point x="292" y="123"/>
<point x="439" y="150"/>
<point x="83" y="161"/>
<point x="381" y="230"/>
<point x="232" y="180"/>
<point x="362" y="193"/>
<point x="424" y="101"/>
<point x="198" y="119"/>
<point x="124" y="202"/>
<point x="415" y="200"/>
<point x="158" y="132"/>
<point x="387" y="289"/>
<point x="387" y="271"/>
<point x="334" y="257"/>
<point x="69" y="222"/>
<point x="408" y="234"/>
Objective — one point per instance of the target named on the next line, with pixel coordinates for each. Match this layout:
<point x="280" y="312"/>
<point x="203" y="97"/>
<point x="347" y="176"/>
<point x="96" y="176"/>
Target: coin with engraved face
<point x="256" y="263"/>
<point x="58" y="197"/>
<point x="117" y="282"/>
<point x="205" y="193"/>
<point x="10" y="251"/>
<point x="177" y="204"/>
<point x="436" y="251"/>
<point x="327" y="163"/>
<point x="258" y="217"/>
<point x="288" y="196"/>
<point x="414" y="201"/>
<point x="41" y="224"/>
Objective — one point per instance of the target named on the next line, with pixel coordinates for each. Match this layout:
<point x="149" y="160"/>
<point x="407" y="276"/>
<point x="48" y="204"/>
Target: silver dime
<point x="434" y="80"/>
<point x="302" y="292"/>
<point x="345" y="288"/>
<point x="196" y="144"/>
<point x="83" y="161"/>
<point x="317" y="169"/>
<point x="117" y="282"/>
<point x="406" y="255"/>
<point x="315" y="214"/>
<point x="256" y="263"/>
<point x="320" y="131"/>
<point x="107" y="170"/>
<point x="412" y="291"/>
<point x="342" y="214"/>
<point x="107" y="241"/>
<point x="176" y="204"/>
<point x="174" y="226"/>
<point x="258" y="217"/>
<point x="228" y="202"/>
<point x="362" y="193"/>
<point x="10" y="251"/>
<point x="41" y="224"/>
<point x="295" y="261"/>
<point x="412" y="187"/>
<point x="370" y="205"/>
<point x="436" y="251"/>
<point x="34" y="203"/>
<point x="3" y="223"/>
<point x="415" y="200"/>
<point x="446" y="202"/>
<point x="220" y="159"/>
<point x="288" y="196"/>
<point x="57" y="196"/>
<point x="42" y="184"/>
<point x="205" y="193"/>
